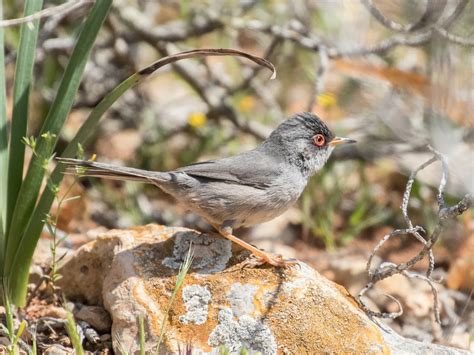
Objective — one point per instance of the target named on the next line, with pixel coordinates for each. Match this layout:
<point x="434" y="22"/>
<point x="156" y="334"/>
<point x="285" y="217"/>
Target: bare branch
<point x="445" y="213"/>
<point x="456" y="13"/>
<point x="433" y="290"/>
<point x="383" y="46"/>
<point x="60" y="10"/>
<point x="406" y="195"/>
<point x="455" y="38"/>
<point x="432" y="13"/>
<point x="368" y="311"/>
<point x="171" y="32"/>
<point x="286" y="33"/>
<point x="320" y="76"/>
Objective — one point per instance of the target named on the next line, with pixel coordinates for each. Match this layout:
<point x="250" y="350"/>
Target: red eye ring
<point x="319" y="140"/>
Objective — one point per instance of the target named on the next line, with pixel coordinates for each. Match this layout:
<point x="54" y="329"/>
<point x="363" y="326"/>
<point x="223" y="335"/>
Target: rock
<point x="84" y="272"/>
<point x="42" y="309"/>
<point x="404" y="346"/>
<point x="269" y="310"/>
<point x="58" y="350"/>
<point x="96" y="316"/>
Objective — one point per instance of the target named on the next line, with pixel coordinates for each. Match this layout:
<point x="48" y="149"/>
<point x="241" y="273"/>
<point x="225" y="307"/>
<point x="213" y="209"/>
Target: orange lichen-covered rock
<point x="221" y="304"/>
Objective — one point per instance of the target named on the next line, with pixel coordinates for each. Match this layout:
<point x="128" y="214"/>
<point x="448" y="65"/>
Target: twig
<point x="445" y="213"/>
<point x="456" y="12"/>
<point x="214" y="96"/>
<point x="455" y="38"/>
<point x="433" y="11"/>
<point x="320" y="76"/>
<point x="390" y="315"/>
<point x="62" y="10"/>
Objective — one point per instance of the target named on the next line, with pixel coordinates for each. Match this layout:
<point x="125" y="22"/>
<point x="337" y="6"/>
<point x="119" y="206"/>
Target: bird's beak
<point x="341" y="140"/>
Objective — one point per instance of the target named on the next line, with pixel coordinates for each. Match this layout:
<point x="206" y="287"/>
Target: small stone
<point x="58" y="350"/>
<point x="105" y="337"/>
<point x="96" y="316"/>
<point x="47" y="310"/>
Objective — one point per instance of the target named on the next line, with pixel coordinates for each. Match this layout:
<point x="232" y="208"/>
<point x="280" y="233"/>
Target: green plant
<point x="24" y="206"/>
<point x="320" y="218"/>
<point x="141" y="333"/>
<point x="71" y="328"/>
<point x="22" y="219"/>
<point x="183" y="270"/>
<point x="51" y="223"/>
<point x="13" y="334"/>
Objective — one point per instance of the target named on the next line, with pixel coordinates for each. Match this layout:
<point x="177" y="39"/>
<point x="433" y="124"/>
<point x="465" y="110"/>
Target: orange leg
<point x="262" y="257"/>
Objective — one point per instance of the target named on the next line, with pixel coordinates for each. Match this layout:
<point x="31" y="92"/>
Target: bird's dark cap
<point x="307" y="124"/>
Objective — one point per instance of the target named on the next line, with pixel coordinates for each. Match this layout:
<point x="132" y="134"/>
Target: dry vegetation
<point x="395" y="75"/>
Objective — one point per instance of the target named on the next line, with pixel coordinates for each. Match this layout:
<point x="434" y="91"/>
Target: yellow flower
<point x="247" y="103"/>
<point x="326" y="100"/>
<point x="197" y="119"/>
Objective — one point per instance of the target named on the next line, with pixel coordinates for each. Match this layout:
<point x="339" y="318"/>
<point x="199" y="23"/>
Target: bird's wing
<point x="251" y="168"/>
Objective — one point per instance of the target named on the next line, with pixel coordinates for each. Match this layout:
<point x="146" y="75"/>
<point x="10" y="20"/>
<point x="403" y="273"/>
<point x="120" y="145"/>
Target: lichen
<point x="241" y="298"/>
<point x="196" y="299"/>
<point x="243" y="333"/>
<point x="211" y="254"/>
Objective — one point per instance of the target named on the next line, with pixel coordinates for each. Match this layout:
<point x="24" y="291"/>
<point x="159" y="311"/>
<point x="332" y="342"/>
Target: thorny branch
<point x="445" y="213"/>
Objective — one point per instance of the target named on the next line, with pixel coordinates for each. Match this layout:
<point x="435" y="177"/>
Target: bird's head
<point x="304" y="140"/>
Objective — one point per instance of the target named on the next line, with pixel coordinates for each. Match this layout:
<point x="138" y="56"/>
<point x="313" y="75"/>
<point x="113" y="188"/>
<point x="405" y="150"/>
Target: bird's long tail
<point x="108" y="171"/>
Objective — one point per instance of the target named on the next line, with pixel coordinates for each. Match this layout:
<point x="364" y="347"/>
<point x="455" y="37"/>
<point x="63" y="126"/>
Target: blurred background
<point x="395" y="75"/>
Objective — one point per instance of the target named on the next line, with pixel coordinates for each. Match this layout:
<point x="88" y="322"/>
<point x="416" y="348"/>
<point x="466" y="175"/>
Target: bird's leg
<point x="262" y="257"/>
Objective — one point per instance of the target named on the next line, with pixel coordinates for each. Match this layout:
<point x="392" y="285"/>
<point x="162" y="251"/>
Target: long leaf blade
<point x="3" y="146"/>
<point x="50" y="131"/>
<point x="21" y="95"/>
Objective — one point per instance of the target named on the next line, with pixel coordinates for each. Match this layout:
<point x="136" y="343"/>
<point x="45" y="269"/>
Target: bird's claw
<point x="273" y="259"/>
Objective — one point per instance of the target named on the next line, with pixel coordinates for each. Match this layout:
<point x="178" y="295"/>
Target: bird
<point x="242" y="190"/>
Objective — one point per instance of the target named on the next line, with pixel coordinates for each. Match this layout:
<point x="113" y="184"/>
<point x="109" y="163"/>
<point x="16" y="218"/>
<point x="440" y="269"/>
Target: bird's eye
<point x="319" y="140"/>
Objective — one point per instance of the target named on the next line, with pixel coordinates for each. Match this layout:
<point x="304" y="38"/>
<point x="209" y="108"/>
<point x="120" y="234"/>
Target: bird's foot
<point x="268" y="258"/>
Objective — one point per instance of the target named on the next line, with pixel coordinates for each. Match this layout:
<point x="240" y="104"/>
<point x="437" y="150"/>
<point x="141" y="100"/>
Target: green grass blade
<point x="183" y="271"/>
<point x="141" y="333"/>
<point x="71" y="328"/>
<point x="21" y="94"/>
<point x="3" y="145"/>
<point x="51" y="128"/>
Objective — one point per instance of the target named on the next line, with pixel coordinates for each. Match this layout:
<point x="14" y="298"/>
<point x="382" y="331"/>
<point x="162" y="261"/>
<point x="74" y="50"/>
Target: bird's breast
<point x="273" y="201"/>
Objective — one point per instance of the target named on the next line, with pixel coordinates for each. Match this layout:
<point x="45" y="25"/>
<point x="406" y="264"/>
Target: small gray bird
<point x="250" y="188"/>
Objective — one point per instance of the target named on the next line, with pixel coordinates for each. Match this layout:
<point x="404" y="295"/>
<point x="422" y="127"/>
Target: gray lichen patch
<point x="241" y="298"/>
<point x="211" y="254"/>
<point x="196" y="299"/>
<point x="244" y="333"/>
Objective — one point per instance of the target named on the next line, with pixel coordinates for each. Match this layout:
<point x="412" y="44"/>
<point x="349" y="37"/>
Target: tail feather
<point x="107" y="171"/>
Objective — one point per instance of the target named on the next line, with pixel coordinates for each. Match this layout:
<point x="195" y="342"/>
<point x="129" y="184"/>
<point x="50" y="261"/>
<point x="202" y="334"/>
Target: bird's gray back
<point x="243" y="190"/>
